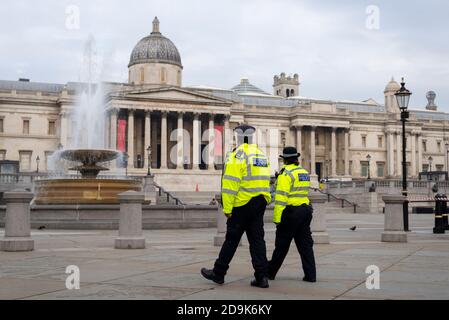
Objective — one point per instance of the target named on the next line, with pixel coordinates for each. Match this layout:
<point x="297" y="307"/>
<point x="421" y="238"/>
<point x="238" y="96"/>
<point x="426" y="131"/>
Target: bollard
<point x="318" y="226"/>
<point x="130" y="224"/>
<point x="17" y="222"/>
<point x="220" y="236"/>
<point x="439" y="226"/>
<point x="394" y="219"/>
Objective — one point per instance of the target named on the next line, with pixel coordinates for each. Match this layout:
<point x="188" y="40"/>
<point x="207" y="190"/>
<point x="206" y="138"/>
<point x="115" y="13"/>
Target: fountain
<point x="86" y="148"/>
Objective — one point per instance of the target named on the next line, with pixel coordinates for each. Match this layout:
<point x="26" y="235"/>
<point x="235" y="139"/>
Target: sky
<point x="341" y="50"/>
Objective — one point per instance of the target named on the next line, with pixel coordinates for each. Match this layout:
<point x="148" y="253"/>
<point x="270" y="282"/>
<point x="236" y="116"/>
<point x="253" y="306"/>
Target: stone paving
<point x="169" y="267"/>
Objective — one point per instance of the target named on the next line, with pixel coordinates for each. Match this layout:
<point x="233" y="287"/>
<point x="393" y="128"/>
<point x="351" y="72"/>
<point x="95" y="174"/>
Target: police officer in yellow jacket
<point x="245" y="195"/>
<point x="293" y="215"/>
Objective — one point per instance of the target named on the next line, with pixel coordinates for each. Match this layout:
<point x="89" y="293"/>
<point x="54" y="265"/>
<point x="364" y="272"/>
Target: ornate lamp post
<point x="37" y="164"/>
<point x="149" y="160"/>
<point x="403" y="98"/>
<point x="368" y="157"/>
<point x="125" y="160"/>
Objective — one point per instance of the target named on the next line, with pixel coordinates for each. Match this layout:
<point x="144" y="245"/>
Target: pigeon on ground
<point x="41" y="228"/>
<point x="353" y="228"/>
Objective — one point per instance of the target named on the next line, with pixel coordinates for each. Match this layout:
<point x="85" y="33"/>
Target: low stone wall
<point x="106" y="217"/>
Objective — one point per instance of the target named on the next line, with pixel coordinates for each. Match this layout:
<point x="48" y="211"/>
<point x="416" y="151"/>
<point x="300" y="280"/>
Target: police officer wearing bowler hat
<point x="245" y="195"/>
<point x="293" y="215"/>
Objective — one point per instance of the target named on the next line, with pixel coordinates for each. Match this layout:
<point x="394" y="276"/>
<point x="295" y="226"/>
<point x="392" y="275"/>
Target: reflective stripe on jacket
<point x="292" y="189"/>
<point x="246" y="175"/>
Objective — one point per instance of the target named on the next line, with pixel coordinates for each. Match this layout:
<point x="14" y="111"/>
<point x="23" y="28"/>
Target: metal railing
<point x="169" y="195"/>
<point x="342" y="200"/>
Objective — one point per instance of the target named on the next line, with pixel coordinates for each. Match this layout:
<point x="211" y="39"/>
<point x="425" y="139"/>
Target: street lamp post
<point x="125" y="160"/>
<point x="37" y="164"/>
<point x="368" y="157"/>
<point x="149" y="160"/>
<point x="403" y="98"/>
<point x="430" y="164"/>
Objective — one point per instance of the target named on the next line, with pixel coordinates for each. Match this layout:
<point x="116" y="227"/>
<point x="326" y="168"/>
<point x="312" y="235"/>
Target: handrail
<point x="330" y="195"/>
<point x="169" y="195"/>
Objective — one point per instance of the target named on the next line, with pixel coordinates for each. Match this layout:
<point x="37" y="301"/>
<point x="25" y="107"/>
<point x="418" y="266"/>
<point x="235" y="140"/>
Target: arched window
<point x="288" y="93"/>
<point x="292" y="92"/>
<point x="163" y="75"/>
<point x="142" y="74"/>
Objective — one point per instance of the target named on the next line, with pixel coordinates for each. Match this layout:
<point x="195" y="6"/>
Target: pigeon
<point x="41" y="228"/>
<point x="353" y="228"/>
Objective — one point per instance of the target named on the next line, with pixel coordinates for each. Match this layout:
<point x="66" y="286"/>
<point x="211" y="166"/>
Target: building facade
<point x="189" y="129"/>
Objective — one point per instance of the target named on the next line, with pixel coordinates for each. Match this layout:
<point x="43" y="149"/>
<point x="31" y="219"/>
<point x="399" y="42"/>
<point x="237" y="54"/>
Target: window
<point x="47" y="156"/>
<point x="292" y="92"/>
<point x="424" y="146"/>
<point x="283" y="140"/>
<point x="163" y="75"/>
<point x="379" y="142"/>
<point x="439" y="167"/>
<point x="380" y="169"/>
<point x="350" y="168"/>
<point x="2" y="155"/>
<point x="317" y="139"/>
<point x="25" y="160"/>
<point x="1" y="125"/>
<point x="26" y="127"/>
<point x="349" y="139"/>
<point x="364" y="168"/>
<point x="51" y="127"/>
<point x="142" y="74"/>
<point x="439" y="146"/>
<point x="425" y="168"/>
<point x="363" y="141"/>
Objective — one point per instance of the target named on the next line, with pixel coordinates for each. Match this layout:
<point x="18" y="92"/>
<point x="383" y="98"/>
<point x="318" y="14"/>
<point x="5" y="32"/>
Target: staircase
<point x="192" y="197"/>
<point x="337" y="204"/>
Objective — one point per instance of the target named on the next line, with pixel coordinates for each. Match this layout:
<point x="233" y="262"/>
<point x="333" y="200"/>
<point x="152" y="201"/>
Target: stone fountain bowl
<point x="89" y="156"/>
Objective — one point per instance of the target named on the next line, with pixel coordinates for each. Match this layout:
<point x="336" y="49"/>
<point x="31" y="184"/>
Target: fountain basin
<point x="82" y="191"/>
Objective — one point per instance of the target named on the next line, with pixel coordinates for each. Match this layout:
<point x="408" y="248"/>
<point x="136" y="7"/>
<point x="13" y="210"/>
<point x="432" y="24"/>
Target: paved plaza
<point x="169" y="267"/>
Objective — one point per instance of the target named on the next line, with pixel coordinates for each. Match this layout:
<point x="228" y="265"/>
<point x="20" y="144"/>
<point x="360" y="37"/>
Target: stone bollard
<point x="394" y="219"/>
<point x="130" y="225"/>
<point x="17" y="222"/>
<point x="373" y="202"/>
<point x="318" y="226"/>
<point x="150" y="190"/>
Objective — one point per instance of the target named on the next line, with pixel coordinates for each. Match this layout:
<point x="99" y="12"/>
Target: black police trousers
<point x="295" y="224"/>
<point x="249" y="219"/>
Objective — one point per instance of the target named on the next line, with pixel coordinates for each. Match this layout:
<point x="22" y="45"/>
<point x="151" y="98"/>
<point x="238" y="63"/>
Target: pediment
<point x="175" y="94"/>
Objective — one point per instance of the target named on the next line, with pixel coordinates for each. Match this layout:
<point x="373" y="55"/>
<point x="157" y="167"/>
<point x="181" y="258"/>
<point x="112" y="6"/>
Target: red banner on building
<point x="121" y="135"/>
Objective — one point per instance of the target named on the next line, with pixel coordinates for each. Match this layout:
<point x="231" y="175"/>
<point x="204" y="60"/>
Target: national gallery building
<point x="336" y="139"/>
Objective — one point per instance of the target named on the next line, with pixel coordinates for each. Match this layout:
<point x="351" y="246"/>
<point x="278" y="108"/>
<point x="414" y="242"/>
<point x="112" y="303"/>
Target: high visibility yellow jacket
<point x="246" y="175"/>
<point x="293" y="184"/>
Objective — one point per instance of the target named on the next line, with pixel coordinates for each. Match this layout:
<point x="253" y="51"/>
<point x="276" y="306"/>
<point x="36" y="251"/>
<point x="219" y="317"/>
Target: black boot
<point x="306" y="279"/>
<point x="261" y="283"/>
<point x="210" y="275"/>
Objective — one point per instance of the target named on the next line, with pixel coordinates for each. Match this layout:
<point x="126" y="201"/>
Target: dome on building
<point x="246" y="87"/>
<point x="155" y="48"/>
<point x="392" y="86"/>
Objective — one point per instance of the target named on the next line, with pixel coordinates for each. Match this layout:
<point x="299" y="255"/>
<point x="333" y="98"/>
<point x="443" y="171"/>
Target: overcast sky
<point x="338" y="48"/>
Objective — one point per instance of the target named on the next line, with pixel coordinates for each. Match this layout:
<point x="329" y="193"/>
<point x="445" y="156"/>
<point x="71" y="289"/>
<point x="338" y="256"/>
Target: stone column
<point x="312" y="150"/>
<point x="211" y="148"/>
<point x="130" y="224"/>
<point x="393" y="219"/>
<point x="64" y="129"/>
<point x="130" y="138"/>
<point x="227" y="136"/>
<point x="113" y="130"/>
<point x="398" y="154"/>
<point x="299" y="139"/>
<point x="333" y="152"/>
<point x="413" y="157"/>
<point x="420" y="152"/>
<point x="164" y="140"/>
<point x="17" y="222"/>
<point x="180" y="141"/>
<point x="147" y="138"/>
<point x="346" y="152"/>
<point x="318" y="226"/>
<point x="196" y="140"/>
